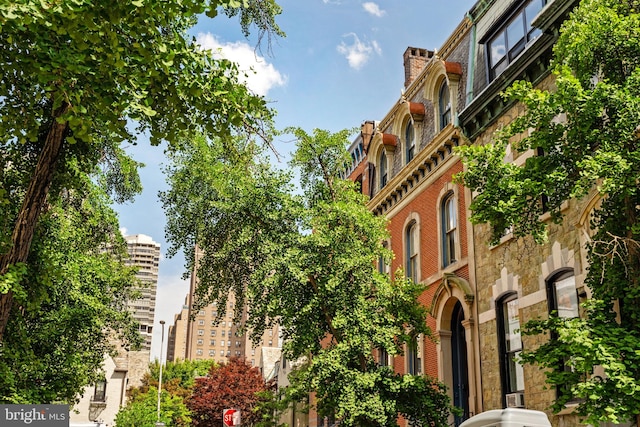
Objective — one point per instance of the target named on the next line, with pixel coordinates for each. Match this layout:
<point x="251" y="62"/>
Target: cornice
<point x="424" y="166"/>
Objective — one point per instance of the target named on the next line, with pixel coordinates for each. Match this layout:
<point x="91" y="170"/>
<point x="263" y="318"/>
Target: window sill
<point x="569" y="409"/>
<point x="503" y="240"/>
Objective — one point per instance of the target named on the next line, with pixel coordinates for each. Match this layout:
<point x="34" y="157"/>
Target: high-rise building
<point x="205" y="335"/>
<point x="177" y="337"/>
<point x="144" y="253"/>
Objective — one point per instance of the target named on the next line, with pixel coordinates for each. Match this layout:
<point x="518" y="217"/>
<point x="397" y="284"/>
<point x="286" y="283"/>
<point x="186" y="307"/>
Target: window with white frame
<point x="449" y="224"/>
<point x="510" y="343"/>
<point x="563" y="301"/>
<point x="411" y="251"/>
<point x="383" y="264"/>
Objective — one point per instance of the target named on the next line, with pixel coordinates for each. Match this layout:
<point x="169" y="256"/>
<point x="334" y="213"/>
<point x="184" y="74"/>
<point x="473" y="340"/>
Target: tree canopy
<point x="306" y="261"/>
<point x="143" y="412"/>
<point x="73" y="296"/>
<point x="588" y="129"/>
<point x="87" y="77"/>
<point x="177" y="385"/>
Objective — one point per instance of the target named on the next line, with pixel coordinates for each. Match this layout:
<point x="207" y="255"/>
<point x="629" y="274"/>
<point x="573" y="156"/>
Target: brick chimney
<point x="415" y="60"/>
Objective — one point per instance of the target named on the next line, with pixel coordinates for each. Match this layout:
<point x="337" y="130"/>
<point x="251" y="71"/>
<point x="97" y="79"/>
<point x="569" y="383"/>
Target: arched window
<point x="562" y="295"/>
<point x="411" y="252"/>
<point x="562" y="299"/>
<point x="410" y="141"/>
<point x="444" y="104"/>
<point x="510" y="345"/>
<point x="449" y="224"/>
<point x="383" y="169"/>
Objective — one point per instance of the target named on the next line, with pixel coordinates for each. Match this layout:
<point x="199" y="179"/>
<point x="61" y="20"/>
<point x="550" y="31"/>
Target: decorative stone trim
<point x="422" y="166"/>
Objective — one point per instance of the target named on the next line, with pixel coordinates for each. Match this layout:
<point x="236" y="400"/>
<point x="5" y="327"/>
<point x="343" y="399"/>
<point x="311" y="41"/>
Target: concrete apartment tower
<point x="205" y="335"/>
<point x="145" y="254"/>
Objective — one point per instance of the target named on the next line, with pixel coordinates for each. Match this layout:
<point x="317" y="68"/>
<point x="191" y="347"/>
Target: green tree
<point x="306" y="262"/>
<point x="89" y="75"/>
<point x="178" y="379"/>
<point x="143" y="411"/>
<point x="594" y="147"/>
<point x="73" y="302"/>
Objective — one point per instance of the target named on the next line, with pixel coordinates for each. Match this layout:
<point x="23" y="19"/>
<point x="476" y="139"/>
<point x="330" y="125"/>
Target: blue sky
<point x="339" y="65"/>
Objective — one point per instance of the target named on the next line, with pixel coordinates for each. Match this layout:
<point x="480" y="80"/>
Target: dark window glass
<point x="445" y="105"/>
<point x="414" y="359"/>
<point x="449" y="226"/>
<point x="562" y="298"/>
<point x="510" y="344"/>
<point x="383" y="267"/>
<point x="511" y="39"/>
<point x="410" y="141"/>
<point x="100" y="393"/>
<point x="411" y="240"/>
<point x="383" y="169"/>
<point x="383" y="357"/>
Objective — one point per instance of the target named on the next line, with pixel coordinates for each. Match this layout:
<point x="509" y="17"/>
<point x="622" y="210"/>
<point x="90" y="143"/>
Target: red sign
<point x="231" y="417"/>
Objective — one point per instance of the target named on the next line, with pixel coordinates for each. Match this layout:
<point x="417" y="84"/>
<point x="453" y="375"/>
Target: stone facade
<point x="517" y="271"/>
<point x="101" y="402"/>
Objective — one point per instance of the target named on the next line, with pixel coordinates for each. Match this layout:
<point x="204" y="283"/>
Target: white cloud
<point x="123" y="231"/>
<point x="358" y="53"/>
<point x="261" y="75"/>
<point x="373" y="9"/>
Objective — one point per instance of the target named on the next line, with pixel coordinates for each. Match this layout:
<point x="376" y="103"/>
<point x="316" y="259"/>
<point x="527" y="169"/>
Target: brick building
<point x="479" y="295"/>
<point x="408" y="174"/>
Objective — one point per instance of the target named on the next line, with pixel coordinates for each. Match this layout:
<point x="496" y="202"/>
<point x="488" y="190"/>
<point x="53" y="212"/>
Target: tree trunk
<point x="32" y="205"/>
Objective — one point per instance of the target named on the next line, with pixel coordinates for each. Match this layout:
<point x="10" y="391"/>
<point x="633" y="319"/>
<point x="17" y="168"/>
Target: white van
<point x="510" y="417"/>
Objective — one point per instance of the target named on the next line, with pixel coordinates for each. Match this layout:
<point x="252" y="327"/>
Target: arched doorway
<point x="459" y="366"/>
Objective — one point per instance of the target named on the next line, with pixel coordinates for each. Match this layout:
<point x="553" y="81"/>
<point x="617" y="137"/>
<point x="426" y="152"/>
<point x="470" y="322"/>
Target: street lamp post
<point x="158" y="423"/>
